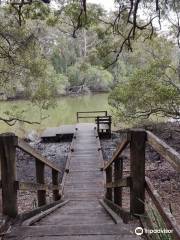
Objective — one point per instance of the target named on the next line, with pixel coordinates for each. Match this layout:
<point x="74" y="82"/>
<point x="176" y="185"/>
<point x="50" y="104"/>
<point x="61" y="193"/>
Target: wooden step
<point x="100" y="231"/>
<point x="83" y="217"/>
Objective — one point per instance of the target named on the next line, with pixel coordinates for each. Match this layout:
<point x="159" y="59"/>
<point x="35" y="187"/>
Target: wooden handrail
<point x="172" y="156"/>
<point x="137" y="181"/>
<point x="29" y="186"/>
<point x="90" y="116"/>
<point x="165" y="214"/>
<point x="8" y="144"/>
<point x="34" y="153"/>
<point x="93" y="112"/>
<point x="118" y="152"/>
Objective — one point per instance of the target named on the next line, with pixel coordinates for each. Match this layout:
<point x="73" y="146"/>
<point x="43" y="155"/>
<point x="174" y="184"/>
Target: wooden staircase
<point x="88" y="202"/>
<point x="83" y="216"/>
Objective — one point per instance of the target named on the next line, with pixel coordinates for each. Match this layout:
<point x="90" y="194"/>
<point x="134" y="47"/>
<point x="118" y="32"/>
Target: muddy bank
<point x="164" y="178"/>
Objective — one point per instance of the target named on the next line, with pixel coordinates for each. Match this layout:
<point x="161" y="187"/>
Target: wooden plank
<point x="61" y="130"/>
<point x="124" y="182"/>
<point x="26" y="215"/>
<point x="172" y="156"/>
<point x="137" y="166"/>
<point x="114" y="216"/>
<point x="29" y="186"/>
<point x="40" y="179"/>
<point x="165" y="214"/>
<point x="125" y="215"/>
<point x="43" y="214"/>
<point x="34" y="153"/>
<point x="118" y="174"/>
<point x="55" y="181"/>
<point x="95" y="230"/>
<point x="83" y="218"/>
<point x="8" y="173"/>
<point x="82" y="237"/>
<point x="119" y="150"/>
<point x="69" y="158"/>
<point x="88" y="116"/>
<point x="109" y="180"/>
<point x="93" y="112"/>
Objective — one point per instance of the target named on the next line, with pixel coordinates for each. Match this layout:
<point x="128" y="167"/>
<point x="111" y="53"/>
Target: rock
<point x="33" y="136"/>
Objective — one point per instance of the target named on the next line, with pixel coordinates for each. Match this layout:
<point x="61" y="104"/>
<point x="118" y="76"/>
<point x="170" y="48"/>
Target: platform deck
<point x="58" y="132"/>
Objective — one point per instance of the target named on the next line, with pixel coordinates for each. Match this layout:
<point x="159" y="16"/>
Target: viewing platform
<point x="102" y="122"/>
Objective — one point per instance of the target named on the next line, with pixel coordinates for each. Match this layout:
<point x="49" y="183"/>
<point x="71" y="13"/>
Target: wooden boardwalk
<point x="82" y="217"/>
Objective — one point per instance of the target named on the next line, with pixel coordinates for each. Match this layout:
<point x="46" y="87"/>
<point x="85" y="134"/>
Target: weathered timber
<point x="165" y="214"/>
<point x="29" y="186"/>
<point x="68" y="162"/>
<point x="56" y="134"/>
<point x="55" y="181"/>
<point x="137" y="165"/>
<point x="8" y="144"/>
<point x="117" y="153"/>
<point x="34" y="153"/>
<point x="40" y="179"/>
<point x="93" y="231"/>
<point x="114" y="216"/>
<point x="124" y="182"/>
<point x="43" y="214"/>
<point x="81" y="115"/>
<point x="164" y="150"/>
<point x="124" y="214"/>
<point x="29" y="214"/>
<point x="83" y="217"/>
<point x="109" y="180"/>
<point x="118" y="174"/>
<point x="103" y="126"/>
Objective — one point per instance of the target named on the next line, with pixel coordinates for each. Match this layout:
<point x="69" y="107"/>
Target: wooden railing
<point x="104" y="125"/>
<point x="138" y="183"/>
<point x="90" y="114"/>
<point x="9" y="184"/>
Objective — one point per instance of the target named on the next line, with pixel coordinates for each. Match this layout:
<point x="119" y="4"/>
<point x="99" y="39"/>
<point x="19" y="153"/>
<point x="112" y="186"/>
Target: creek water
<point x="64" y="112"/>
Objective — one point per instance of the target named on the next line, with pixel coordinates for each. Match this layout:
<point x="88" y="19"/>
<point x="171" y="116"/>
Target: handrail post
<point x="137" y="166"/>
<point x="110" y="121"/>
<point x="77" y="115"/>
<point x="41" y="194"/>
<point x="118" y="172"/>
<point x="56" y="195"/>
<point x="98" y="124"/>
<point x="8" y="143"/>
<point x="109" y="180"/>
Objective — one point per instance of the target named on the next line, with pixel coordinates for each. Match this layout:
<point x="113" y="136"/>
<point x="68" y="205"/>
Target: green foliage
<point x="39" y="57"/>
<point x="93" y="77"/>
<point x="62" y="83"/>
<point x="98" y="79"/>
<point x="37" y="10"/>
<point x="64" y="55"/>
<point x="73" y="10"/>
<point x="24" y="67"/>
<point x="151" y="87"/>
<point x="157" y="223"/>
<point x="75" y="76"/>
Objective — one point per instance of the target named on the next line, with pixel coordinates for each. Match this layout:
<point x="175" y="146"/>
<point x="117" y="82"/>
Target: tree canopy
<point x="47" y="51"/>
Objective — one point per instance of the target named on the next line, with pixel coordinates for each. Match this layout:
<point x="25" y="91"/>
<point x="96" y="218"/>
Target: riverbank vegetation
<point x="76" y="47"/>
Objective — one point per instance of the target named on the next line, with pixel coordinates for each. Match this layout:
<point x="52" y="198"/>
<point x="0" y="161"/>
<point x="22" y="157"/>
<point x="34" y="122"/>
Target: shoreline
<point x="73" y="95"/>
